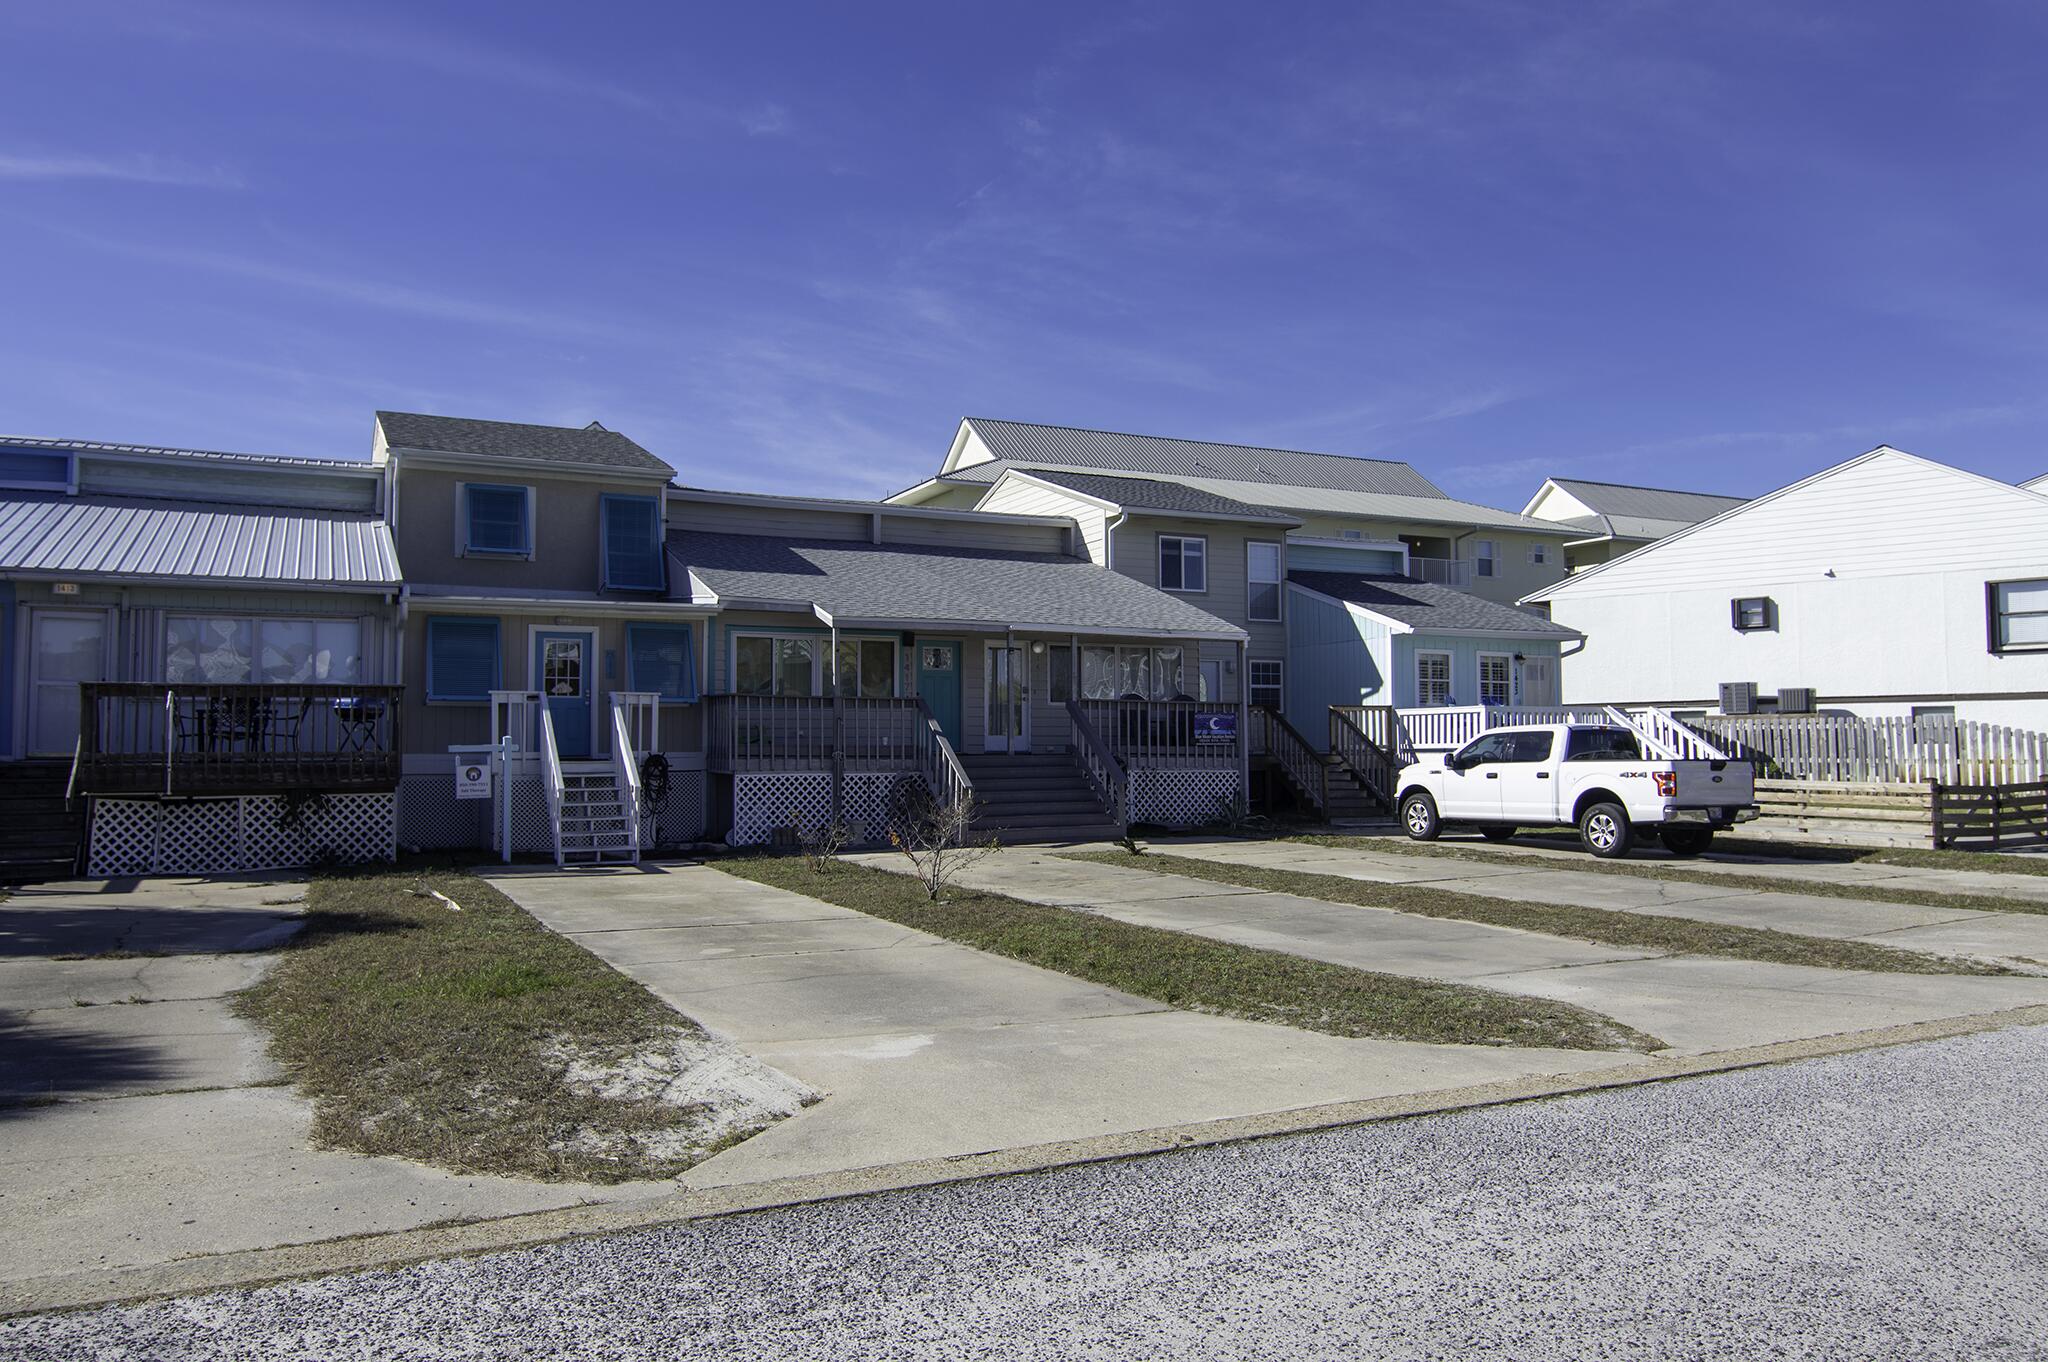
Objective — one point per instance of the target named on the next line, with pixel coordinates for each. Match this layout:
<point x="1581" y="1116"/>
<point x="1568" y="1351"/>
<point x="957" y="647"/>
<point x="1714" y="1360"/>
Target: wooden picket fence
<point x="1990" y="817"/>
<point x="1836" y="747"/>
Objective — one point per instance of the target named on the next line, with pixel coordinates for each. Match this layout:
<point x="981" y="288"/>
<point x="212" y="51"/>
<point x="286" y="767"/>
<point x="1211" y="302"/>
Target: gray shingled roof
<point x="1648" y="503"/>
<point x="1074" y="448"/>
<point x="589" y="445"/>
<point x="1153" y="494"/>
<point x="934" y="584"/>
<point x="1425" y="606"/>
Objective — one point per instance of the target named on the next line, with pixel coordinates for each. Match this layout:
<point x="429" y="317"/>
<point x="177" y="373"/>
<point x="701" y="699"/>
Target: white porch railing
<point x="553" y="781"/>
<point x="628" y="746"/>
<point x="1455" y="572"/>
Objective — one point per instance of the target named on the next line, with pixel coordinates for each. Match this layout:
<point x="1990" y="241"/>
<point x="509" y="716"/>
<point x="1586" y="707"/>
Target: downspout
<point x="1109" y="539"/>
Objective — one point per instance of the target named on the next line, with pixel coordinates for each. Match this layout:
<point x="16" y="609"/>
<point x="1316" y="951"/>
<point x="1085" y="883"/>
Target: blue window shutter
<point x="462" y="658"/>
<point x="497" y="520"/>
<point x="632" y="543"/>
<point x="662" y="658"/>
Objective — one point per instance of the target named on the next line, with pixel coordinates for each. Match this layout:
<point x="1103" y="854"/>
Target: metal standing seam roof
<point x="74" y="536"/>
<point x="1111" y="450"/>
<point x="1648" y="503"/>
<point x="573" y="445"/>
<point x="36" y="444"/>
<point x="937" y="584"/>
<point x="1153" y="494"/>
<point x="1425" y="606"/>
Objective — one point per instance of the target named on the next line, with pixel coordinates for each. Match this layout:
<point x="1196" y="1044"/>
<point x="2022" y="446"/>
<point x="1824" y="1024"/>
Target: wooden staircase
<point x="1036" y="797"/>
<point x="40" y="838"/>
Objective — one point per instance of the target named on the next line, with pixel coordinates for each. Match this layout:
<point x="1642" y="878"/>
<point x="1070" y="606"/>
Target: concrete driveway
<point x="140" y="1119"/>
<point x="929" y="1049"/>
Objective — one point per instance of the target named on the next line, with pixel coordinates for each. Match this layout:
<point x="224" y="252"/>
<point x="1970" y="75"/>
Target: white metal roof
<point x="116" y="537"/>
<point x="34" y="444"/>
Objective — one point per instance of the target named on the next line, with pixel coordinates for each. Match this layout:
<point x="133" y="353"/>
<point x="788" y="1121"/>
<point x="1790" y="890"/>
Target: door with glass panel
<point x="1006" y="721"/>
<point x="562" y="662"/>
<point x="66" y="647"/>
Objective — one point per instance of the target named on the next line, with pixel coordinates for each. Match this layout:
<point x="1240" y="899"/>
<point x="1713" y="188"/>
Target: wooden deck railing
<point x="1899" y="750"/>
<point x="1153" y="734"/>
<point x="1106" y="775"/>
<point x="1367" y="739"/>
<point x="147" y="738"/>
<point x="746" y="734"/>
<point x="1306" y="769"/>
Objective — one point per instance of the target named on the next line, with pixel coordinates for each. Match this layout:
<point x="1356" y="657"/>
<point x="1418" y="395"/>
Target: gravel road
<point x="1883" y="1205"/>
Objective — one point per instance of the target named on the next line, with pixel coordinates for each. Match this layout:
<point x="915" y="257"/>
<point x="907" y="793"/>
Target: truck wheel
<point x="1685" y="841"/>
<point x="1418" y="815"/>
<point x="1605" y="830"/>
<point x="1498" y="832"/>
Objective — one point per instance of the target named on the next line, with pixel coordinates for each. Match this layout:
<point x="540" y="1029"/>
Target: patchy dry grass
<point x="1200" y="974"/>
<point x="1607" y="927"/>
<point x="1680" y="872"/>
<point x="448" y="1036"/>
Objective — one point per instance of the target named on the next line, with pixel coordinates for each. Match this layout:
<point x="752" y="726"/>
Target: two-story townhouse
<point x="1609" y="519"/>
<point x="201" y="651"/>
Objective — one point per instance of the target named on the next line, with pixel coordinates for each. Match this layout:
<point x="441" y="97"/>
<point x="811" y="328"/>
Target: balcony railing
<point x="1455" y="572"/>
<point x="746" y="734"/>
<point x="146" y="738"/>
<point x="1154" y="734"/>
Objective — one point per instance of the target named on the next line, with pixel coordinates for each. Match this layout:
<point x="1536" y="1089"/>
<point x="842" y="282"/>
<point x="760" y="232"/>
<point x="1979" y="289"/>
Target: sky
<point x="787" y="247"/>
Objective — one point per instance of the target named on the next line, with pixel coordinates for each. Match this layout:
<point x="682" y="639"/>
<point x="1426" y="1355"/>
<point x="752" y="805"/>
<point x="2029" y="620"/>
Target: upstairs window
<point x="1753" y="613"/>
<point x="632" y="543"/>
<point x="1539" y="554"/>
<point x="497" y="520"/>
<point x="2018" y="615"/>
<point x="1183" y="563"/>
<point x="462" y="658"/>
<point x="1484" y="553"/>
<point x="1262" y="580"/>
<point x="662" y="658"/>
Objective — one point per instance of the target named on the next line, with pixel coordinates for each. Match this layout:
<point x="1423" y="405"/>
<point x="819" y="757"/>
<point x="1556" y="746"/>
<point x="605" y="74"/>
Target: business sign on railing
<point x="1216" y="728"/>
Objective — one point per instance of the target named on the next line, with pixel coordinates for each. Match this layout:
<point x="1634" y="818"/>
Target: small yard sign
<point x="472" y="779"/>
<point x="1215" y="728"/>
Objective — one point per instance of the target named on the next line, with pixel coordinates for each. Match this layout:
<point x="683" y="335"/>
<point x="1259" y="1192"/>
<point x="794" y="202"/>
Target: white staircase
<point x="596" y="821"/>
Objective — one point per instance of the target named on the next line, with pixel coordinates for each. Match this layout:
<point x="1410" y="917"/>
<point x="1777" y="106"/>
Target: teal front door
<point x="562" y="662"/>
<point x="938" y="681"/>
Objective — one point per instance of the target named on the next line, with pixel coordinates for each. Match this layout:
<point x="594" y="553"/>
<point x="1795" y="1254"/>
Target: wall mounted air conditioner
<point x="1795" y="699"/>
<point x="1738" y="697"/>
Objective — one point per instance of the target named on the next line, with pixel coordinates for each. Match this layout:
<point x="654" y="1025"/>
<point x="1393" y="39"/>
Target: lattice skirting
<point x="432" y="818"/>
<point x="763" y="803"/>
<point x="248" y="832"/>
<point x="1180" y="799"/>
<point x="683" y="818"/>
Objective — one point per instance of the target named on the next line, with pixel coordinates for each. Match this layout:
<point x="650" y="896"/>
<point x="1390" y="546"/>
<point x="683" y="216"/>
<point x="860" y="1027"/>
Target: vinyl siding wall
<point x="1514" y="575"/>
<point x="1334" y="657"/>
<point x="1014" y="497"/>
<point x="1136" y="554"/>
<point x="564" y="529"/>
<point x="1464" y="663"/>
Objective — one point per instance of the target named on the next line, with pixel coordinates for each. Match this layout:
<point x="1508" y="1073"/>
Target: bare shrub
<point x="936" y="835"/>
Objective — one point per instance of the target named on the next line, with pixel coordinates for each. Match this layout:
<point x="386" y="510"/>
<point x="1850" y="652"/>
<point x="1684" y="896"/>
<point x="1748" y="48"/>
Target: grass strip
<point x="1606" y="927"/>
<point x="1734" y="879"/>
<point x="1200" y="974"/>
<point x="437" y="1035"/>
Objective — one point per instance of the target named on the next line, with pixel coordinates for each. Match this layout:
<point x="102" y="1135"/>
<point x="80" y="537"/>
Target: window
<point x="1488" y="747"/>
<point x="231" y="650"/>
<point x="775" y="664"/>
<point x="867" y="667"/>
<point x="1496" y="679"/>
<point x="1059" y="668"/>
<point x="1527" y="747"/>
<point x="1751" y="613"/>
<point x="2019" y="616"/>
<point x="1147" y="673"/>
<point x="1262" y="580"/>
<point x="462" y="658"/>
<point x="1183" y="563"/>
<point x="1601" y="744"/>
<point x="662" y="658"/>
<point x="497" y="519"/>
<point x="632" y="542"/>
<point x="1432" y="679"/>
<point x="1264" y="685"/>
<point x="1484" y="552"/>
<point x="1539" y="554"/>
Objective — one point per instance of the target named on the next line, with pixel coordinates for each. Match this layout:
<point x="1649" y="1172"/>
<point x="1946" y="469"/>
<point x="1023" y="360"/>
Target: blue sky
<point x="788" y="247"/>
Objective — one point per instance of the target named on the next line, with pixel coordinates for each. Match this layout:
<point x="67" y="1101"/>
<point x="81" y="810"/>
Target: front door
<point x="562" y="662"/>
<point x="1539" y="682"/>
<point x="1006" y="723"/>
<point x="1212" y="681"/>
<point x="65" y="648"/>
<point x="938" y="683"/>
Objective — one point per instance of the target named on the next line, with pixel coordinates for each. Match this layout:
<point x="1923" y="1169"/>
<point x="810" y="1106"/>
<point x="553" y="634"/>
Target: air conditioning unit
<point x="1738" y="697"/>
<point x="1795" y="699"/>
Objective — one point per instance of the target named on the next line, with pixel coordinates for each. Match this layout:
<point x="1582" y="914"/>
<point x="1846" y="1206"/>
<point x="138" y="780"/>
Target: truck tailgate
<point x="1715" y="784"/>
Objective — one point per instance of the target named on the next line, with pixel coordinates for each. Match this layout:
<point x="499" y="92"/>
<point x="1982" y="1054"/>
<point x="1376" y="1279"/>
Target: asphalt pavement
<point x="1886" y="1204"/>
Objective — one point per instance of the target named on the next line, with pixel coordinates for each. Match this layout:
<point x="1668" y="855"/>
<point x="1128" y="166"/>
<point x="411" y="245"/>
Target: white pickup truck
<point x="1589" y="776"/>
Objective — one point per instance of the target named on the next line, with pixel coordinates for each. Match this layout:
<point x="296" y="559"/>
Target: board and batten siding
<point x="1877" y="572"/>
<point x="1335" y="656"/>
<point x="1015" y="496"/>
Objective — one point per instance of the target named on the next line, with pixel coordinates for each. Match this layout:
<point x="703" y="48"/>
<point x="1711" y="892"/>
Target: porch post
<point x="838" y="737"/>
<point x="1244" y="724"/>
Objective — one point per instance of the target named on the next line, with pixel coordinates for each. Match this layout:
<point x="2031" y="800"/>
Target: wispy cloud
<point x="135" y="169"/>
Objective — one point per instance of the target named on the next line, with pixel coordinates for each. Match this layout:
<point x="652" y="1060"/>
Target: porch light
<point x="1038" y="645"/>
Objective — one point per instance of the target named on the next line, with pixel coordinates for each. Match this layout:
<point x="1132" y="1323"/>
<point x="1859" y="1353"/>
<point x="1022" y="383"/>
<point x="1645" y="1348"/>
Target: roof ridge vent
<point x="596" y="425"/>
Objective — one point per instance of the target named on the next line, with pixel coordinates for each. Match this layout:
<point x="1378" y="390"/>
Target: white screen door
<point x="1007" y="721"/>
<point x="65" y="648"/>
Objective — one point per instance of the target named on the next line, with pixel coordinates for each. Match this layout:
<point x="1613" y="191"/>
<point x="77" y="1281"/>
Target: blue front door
<point x="938" y="681"/>
<point x="561" y="661"/>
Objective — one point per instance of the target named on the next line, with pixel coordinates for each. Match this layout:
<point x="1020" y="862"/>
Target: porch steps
<point x="40" y="839"/>
<point x="1037" y="797"/>
<point x="594" y="826"/>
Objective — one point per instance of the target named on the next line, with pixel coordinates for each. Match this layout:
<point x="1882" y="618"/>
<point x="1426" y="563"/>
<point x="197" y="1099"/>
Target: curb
<point x="257" y="1267"/>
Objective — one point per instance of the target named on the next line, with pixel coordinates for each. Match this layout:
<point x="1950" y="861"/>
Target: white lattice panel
<point x="761" y="804"/>
<point x="200" y="836"/>
<point x="214" y="836"/>
<point x="1180" y="799"/>
<point x="123" y="838"/>
<point x="431" y="818"/>
<point x="531" y="830"/>
<point x="683" y="818"/>
<point x="334" y="829"/>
